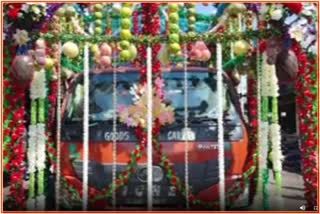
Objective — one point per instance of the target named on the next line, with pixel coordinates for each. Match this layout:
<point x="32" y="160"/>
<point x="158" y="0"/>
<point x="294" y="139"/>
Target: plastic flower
<point x="276" y="14"/>
<point x="21" y="37"/>
<point x="296" y="32"/>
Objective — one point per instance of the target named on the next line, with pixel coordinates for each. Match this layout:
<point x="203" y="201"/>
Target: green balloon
<point x="98" y="15"/>
<point x="173" y="17"/>
<point x="173" y="28"/>
<point x="98" y="30"/>
<point x="126" y="12"/>
<point x="124" y="44"/>
<point x="125" y="55"/>
<point x="98" y="7"/>
<point x="192" y="11"/>
<point x="173" y="7"/>
<point x="192" y="20"/>
<point x="174" y="38"/>
<point x="190" y="5"/>
<point x="98" y="22"/>
<point x="125" y="34"/>
<point x="174" y="48"/>
<point x="125" y="23"/>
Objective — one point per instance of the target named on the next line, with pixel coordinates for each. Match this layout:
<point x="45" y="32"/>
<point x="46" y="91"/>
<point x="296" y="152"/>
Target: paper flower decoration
<point x="276" y="14"/>
<point x="136" y="114"/>
<point x="296" y="32"/>
<point x="21" y="37"/>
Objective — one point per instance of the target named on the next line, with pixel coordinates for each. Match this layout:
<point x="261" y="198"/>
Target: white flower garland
<point x="269" y="80"/>
<point x="37" y="141"/>
<point x="38" y="86"/>
<point x="275" y="138"/>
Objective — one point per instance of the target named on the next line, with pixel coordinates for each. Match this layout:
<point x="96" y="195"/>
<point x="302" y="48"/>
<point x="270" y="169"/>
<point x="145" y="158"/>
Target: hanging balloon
<point x="70" y="49"/>
<point x="105" y="49"/>
<point x="133" y="51"/>
<point x="236" y="8"/>
<point x="22" y="70"/>
<point x="200" y="52"/>
<point x="241" y="47"/>
<point x="286" y="66"/>
<point x="105" y="61"/>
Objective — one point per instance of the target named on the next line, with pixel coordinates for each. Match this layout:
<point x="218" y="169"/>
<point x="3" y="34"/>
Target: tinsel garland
<point x="306" y="99"/>
<point x="224" y="38"/>
<point x="14" y="129"/>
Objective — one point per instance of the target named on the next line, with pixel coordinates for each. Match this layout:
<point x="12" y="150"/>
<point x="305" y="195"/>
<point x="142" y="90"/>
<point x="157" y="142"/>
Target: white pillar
<point x="85" y="129"/>
<point x="149" y="128"/>
<point x="220" y="128"/>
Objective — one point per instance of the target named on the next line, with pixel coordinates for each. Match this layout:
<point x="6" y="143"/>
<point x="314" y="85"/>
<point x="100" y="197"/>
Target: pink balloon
<point x="206" y="55"/>
<point x="105" y="49"/>
<point x="105" y="61"/>
<point x="196" y="54"/>
<point x="40" y="52"/>
<point x="41" y="60"/>
<point x="201" y="45"/>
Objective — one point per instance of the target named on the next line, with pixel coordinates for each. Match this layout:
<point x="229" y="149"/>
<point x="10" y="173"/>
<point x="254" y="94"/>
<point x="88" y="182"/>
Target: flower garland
<point x="269" y="132"/>
<point x="37" y="142"/>
<point x="306" y="88"/>
<point x="14" y="129"/>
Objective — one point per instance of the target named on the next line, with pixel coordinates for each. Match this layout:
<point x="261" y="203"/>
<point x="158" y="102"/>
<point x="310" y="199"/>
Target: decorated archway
<point x="111" y="105"/>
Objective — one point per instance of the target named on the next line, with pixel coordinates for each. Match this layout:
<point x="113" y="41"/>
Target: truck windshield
<point x="201" y="93"/>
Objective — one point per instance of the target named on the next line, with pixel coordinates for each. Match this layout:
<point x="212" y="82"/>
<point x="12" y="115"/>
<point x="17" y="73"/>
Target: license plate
<point x="158" y="191"/>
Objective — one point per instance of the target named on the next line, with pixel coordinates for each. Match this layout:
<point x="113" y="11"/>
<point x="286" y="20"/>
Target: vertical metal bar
<point x="149" y="128"/>
<point x="58" y="172"/>
<point x="114" y="133"/>
<point x="220" y="128"/>
<point x="186" y="130"/>
<point x="85" y="129"/>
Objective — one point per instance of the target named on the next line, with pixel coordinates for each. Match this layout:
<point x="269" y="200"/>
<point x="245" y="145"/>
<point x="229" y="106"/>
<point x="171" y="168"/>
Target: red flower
<point x="294" y="7"/>
<point x="13" y="13"/>
<point x="262" y="45"/>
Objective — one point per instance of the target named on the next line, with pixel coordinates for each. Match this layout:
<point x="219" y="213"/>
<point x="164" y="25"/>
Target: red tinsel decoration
<point x="307" y="123"/>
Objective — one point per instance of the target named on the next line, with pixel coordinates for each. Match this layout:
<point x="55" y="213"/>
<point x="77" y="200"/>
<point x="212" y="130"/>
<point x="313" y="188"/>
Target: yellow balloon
<point x="240" y="47"/>
<point x="49" y="63"/>
<point x="70" y="49"/>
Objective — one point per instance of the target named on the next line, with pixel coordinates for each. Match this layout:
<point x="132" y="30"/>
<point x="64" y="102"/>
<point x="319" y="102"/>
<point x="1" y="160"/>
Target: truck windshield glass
<point x="202" y="95"/>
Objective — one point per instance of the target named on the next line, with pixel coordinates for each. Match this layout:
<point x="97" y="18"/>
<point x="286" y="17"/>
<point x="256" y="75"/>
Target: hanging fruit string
<point x="125" y="32"/>
<point x="98" y="17"/>
<point x="173" y="26"/>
